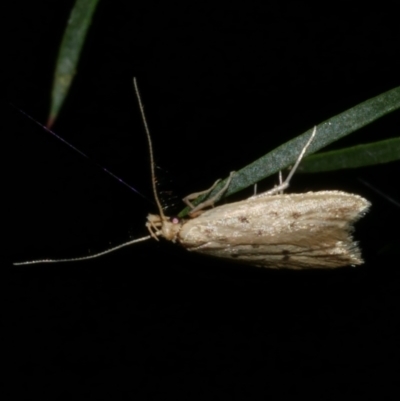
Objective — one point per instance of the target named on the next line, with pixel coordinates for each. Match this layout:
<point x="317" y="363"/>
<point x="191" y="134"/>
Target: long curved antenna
<point x="153" y="179"/>
<point x="152" y="165"/>
<point x="94" y="256"/>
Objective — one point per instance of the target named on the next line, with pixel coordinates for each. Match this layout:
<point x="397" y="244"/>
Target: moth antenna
<point x="153" y="180"/>
<point x="152" y="165"/>
<point x="94" y="256"/>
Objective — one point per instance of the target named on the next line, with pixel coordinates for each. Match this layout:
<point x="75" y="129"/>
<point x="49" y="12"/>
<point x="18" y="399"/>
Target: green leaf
<point x="70" y="50"/>
<point x="327" y="132"/>
<point x="353" y="157"/>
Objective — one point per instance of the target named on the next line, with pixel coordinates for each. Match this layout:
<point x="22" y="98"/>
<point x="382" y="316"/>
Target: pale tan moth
<point x="272" y="229"/>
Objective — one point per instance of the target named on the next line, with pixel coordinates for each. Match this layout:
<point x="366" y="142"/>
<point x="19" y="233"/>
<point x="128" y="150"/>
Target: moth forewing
<point x="296" y="231"/>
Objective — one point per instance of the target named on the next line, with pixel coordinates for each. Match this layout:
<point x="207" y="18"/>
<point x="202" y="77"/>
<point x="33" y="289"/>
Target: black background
<point x="222" y="85"/>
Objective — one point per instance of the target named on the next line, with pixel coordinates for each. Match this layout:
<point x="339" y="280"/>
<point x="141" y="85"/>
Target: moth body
<point x="295" y="231"/>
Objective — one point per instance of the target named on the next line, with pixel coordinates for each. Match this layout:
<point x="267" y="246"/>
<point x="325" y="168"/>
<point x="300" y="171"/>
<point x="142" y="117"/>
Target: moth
<point x="274" y="230"/>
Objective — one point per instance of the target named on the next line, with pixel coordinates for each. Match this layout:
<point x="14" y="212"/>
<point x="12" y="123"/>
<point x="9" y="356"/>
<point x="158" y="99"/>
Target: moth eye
<point x="174" y="220"/>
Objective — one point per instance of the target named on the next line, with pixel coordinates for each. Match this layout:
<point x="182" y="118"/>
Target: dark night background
<point x="222" y="83"/>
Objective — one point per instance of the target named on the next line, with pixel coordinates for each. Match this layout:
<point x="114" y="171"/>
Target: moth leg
<point x="285" y="184"/>
<point x="152" y="230"/>
<point x="280" y="181"/>
<point x="208" y="202"/>
<point x="153" y="224"/>
<point x="194" y="195"/>
<point x="268" y="192"/>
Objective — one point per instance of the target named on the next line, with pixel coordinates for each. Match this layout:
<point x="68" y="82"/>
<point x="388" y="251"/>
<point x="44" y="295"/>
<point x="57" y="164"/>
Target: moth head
<point x="163" y="226"/>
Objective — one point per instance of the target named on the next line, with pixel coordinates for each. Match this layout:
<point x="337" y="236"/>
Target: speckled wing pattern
<point x="295" y="231"/>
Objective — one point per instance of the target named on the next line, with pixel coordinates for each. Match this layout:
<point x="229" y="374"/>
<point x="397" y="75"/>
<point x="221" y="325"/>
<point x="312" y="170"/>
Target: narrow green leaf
<point x="327" y="132"/>
<point x="70" y="50"/>
<point x="353" y="157"/>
